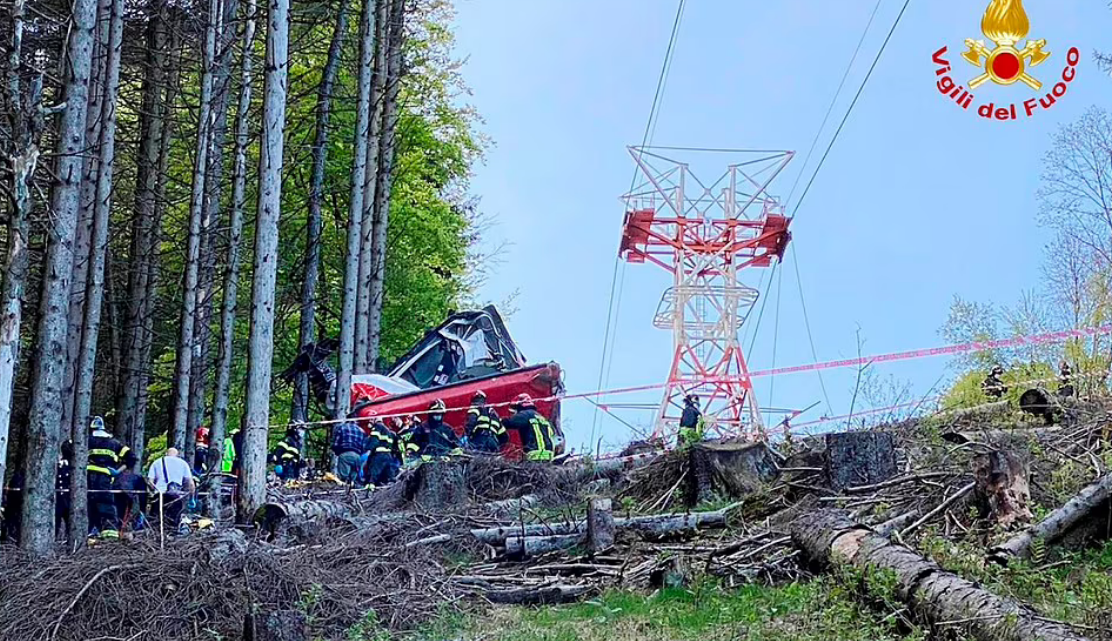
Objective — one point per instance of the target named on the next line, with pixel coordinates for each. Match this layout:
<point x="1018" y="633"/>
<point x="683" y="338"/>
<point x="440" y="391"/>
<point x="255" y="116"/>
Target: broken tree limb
<point x="548" y="595"/>
<point x="942" y="507"/>
<point x="934" y="595"/>
<point x="1089" y="502"/>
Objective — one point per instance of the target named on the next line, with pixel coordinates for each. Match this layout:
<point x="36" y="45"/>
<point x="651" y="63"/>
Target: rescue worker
<point x="406" y="429"/>
<point x="107" y="458"/>
<point x="1065" y="380"/>
<point x="347" y="445"/>
<point x="62" y="484"/>
<point x="286" y="455"/>
<point x="435" y="438"/>
<point x="692" y="423"/>
<point x="384" y="455"/>
<point x="200" y="455"/>
<point x="233" y="445"/>
<point x="537" y="436"/>
<point x="992" y="386"/>
<point x="484" y="427"/>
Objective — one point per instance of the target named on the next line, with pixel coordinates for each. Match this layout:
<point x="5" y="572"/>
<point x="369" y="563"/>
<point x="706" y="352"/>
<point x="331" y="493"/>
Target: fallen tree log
<point x="527" y="546"/>
<point x="299" y="518"/>
<point x="658" y="525"/>
<point x="1084" y="515"/>
<point x="548" y="595"/>
<point x="935" y="596"/>
<point x="512" y="506"/>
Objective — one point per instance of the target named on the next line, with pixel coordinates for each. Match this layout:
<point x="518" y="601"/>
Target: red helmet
<point x="523" y="400"/>
<point x="202" y="435"/>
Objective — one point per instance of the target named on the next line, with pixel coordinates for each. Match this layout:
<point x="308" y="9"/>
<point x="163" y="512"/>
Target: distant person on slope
<point x="992" y="386"/>
<point x="692" y="423"/>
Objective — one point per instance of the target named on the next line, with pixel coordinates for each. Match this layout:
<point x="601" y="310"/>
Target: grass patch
<point x="821" y="610"/>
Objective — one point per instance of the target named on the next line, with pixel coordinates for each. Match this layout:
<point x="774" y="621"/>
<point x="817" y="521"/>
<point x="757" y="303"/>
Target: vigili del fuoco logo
<point x="1005" y="24"/>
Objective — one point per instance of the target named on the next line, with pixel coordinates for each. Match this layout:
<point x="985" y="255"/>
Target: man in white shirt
<point x="173" y="479"/>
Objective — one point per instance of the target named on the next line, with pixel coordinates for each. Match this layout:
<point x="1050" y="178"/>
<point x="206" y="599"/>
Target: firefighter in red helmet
<point x="537" y="436"/>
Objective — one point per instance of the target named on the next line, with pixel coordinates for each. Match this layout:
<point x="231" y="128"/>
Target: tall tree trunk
<point x="37" y="523"/>
<point x="184" y="367"/>
<point x="300" y="408"/>
<point x="173" y="76"/>
<point x="24" y="117"/>
<point x="388" y="151"/>
<point x="231" y="274"/>
<point x="143" y="230"/>
<point x="260" y="345"/>
<point x="87" y="203"/>
<point x="370" y="183"/>
<point x="94" y="290"/>
<point x="363" y="110"/>
<point x="214" y="187"/>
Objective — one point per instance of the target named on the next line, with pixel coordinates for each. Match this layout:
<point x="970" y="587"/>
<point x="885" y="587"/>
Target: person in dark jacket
<point x="992" y="386"/>
<point x="286" y="455"/>
<point x="107" y="458"/>
<point x="537" y="436"/>
<point x="62" y="482"/>
<point x="1065" y="381"/>
<point x="484" y="427"/>
<point x="435" y="438"/>
<point x="384" y="455"/>
<point x="691" y="422"/>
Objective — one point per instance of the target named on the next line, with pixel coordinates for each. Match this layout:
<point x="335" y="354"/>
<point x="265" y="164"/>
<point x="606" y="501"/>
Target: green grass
<point x="817" y="611"/>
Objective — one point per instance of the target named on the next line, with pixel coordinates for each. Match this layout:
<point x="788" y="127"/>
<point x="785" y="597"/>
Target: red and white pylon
<point x="707" y="234"/>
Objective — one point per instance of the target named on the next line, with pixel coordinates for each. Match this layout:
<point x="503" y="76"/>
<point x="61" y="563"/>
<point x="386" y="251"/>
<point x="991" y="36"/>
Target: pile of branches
<point x="208" y="586"/>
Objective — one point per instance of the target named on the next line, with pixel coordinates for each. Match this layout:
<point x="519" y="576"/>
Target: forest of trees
<point x="194" y="191"/>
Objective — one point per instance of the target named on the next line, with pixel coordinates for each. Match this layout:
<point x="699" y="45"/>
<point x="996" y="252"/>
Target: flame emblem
<point x="1005" y="23"/>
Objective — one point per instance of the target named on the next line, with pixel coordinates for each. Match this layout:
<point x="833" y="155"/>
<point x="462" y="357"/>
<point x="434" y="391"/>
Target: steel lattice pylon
<point x="707" y="235"/>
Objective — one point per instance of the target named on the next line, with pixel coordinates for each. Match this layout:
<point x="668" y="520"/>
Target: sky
<point x="917" y="202"/>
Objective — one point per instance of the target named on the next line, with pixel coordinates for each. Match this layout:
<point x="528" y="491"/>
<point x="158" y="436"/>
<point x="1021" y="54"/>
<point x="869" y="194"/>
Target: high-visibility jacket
<point x="228" y="462"/>
<point x="382" y="441"/>
<point x="285" y="453"/>
<point x="537" y="434"/>
<point x="106" y="454"/>
<point x="692" y="426"/>
<point x="485" y="419"/>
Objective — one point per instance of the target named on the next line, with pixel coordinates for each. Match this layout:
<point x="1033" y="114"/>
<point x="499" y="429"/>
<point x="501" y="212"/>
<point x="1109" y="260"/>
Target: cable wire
<point x="617" y="285"/>
<point x="853" y="104"/>
<point x="807" y="324"/>
<point x="833" y="101"/>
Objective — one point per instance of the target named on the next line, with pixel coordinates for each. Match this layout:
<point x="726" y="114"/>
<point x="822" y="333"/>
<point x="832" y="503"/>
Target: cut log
<point x="511" y="507"/>
<point x="548" y="595"/>
<point x="529" y="546"/>
<point x="496" y="535"/>
<point x="1001" y="490"/>
<point x="282" y="625"/>
<point x="600" y="526"/>
<point x="298" y="518"/>
<point x="997" y="436"/>
<point x="729" y="469"/>
<point x="859" y="458"/>
<point x="666" y="524"/>
<point x="1082" y="518"/>
<point x="439" y="486"/>
<point x="938" y="597"/>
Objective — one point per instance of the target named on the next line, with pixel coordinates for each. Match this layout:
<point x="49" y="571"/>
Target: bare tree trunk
<point x="355" y="216"/>
<point x="94" y="291"/>
<point x="385" y="181"/>
<point x="184" y="367"/>
<point x="300" y="408"/>
<point x="214" y="187"/>
<point x="43" y="427"/>
<point x="370" y="183"/>
<point x="25" y="117"/>
<point x="260" y="349"/>
<point x="231" y="274"/>
<point x="144" y="229"/>
<point x="87" y="204"/>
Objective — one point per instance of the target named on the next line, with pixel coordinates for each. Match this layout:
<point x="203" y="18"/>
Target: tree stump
<point x="859" y="458"/>
<point x="439" y="486"/>
<point x="732" y="470"/>
<point x="1002" y="493"/>
<point x="600" y="526"/>
<point x="280" y="625"/>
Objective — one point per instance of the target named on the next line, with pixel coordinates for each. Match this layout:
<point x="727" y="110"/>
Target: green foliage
<point x="1018" y="377"/>
<point x="819" y="610"/>
<point x="367" y="629"/>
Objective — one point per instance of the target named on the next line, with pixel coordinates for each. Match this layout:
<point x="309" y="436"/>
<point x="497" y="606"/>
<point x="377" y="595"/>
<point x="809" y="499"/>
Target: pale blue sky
<point x="918" y="201"/>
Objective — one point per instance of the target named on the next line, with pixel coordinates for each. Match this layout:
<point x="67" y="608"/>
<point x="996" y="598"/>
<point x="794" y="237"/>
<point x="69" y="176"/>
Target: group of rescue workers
<point x="371" y="453"/>
<point x="993" y="386"/>
<point x="368" y="453"/>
